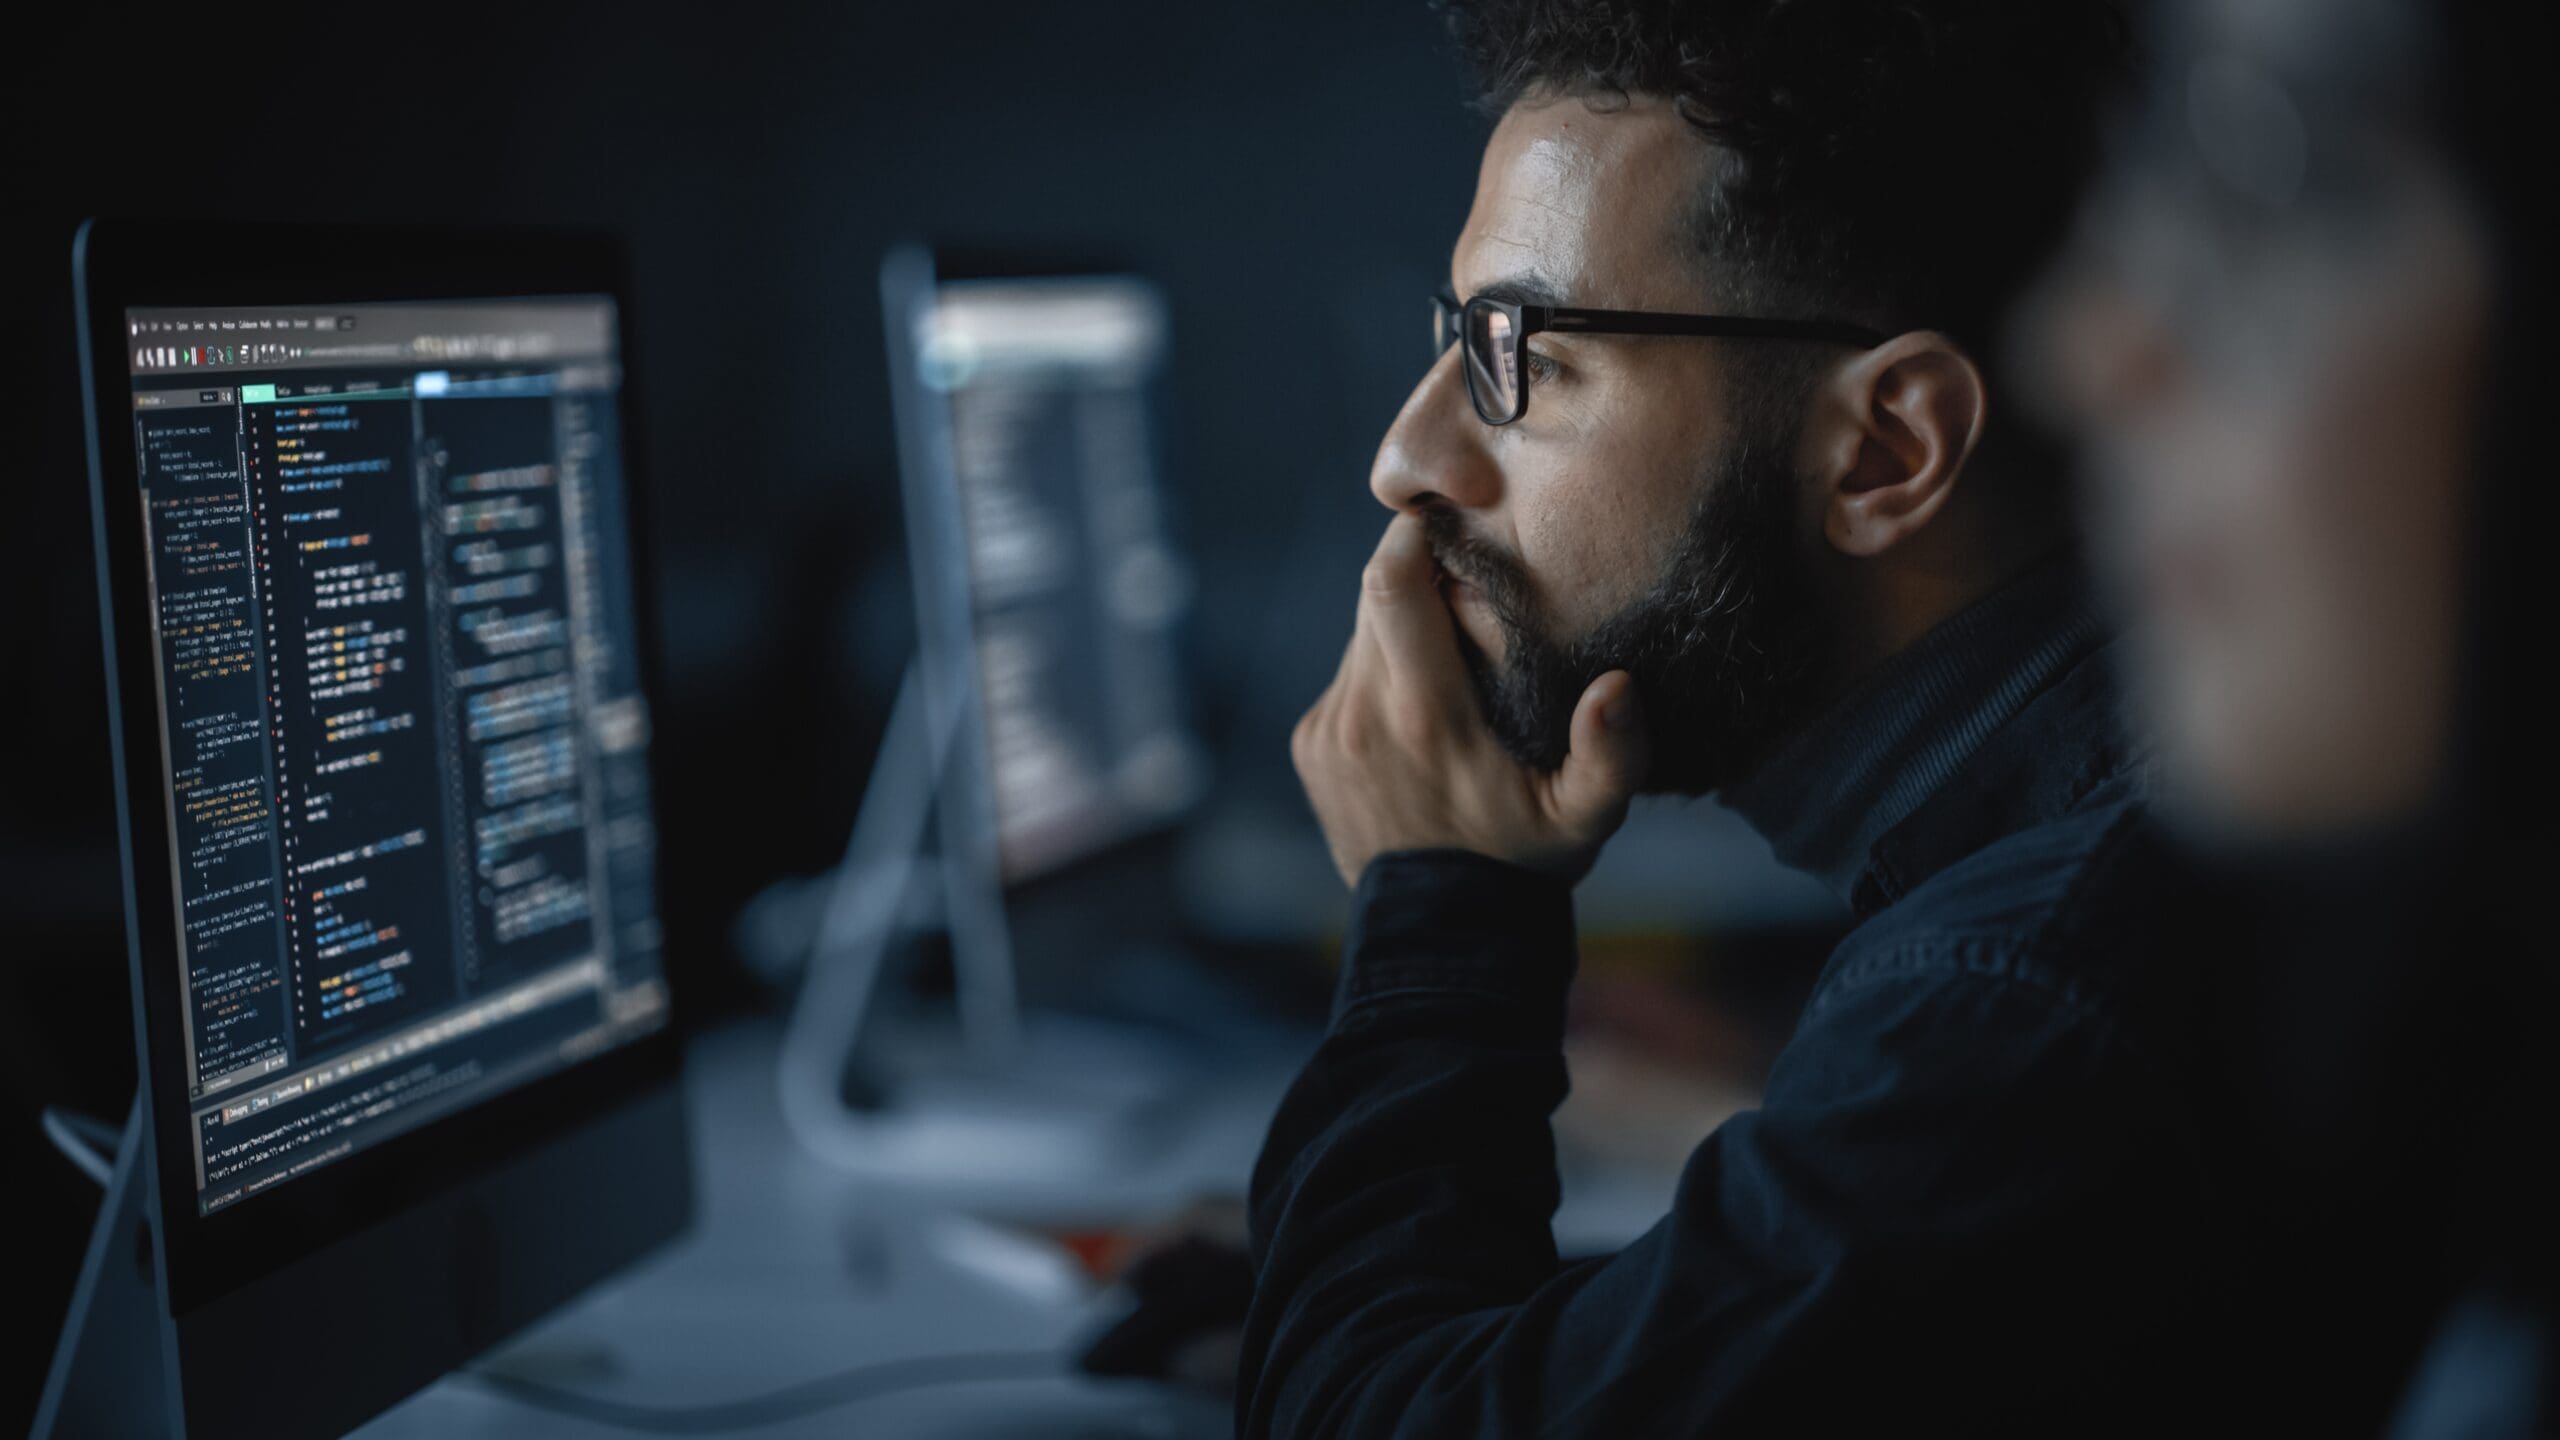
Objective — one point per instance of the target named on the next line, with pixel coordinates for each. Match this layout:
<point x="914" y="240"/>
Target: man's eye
<point x="1541" y="368"/>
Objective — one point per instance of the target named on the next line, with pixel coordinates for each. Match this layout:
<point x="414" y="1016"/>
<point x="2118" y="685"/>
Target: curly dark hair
<point x="1902" y="163"/>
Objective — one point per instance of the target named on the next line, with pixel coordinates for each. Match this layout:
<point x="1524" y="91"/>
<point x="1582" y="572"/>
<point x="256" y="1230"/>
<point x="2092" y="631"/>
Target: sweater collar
<point x="1827" y="797"/>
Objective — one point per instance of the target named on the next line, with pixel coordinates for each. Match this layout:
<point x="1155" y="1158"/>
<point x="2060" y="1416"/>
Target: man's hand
<point x="1396" y="756"/>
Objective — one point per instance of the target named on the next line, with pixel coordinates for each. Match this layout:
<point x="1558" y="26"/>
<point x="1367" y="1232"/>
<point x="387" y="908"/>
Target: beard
<point x="1724" y="646"/>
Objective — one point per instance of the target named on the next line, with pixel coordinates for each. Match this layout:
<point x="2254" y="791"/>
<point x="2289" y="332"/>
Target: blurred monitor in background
<point x="1043" y="723"/>
<point x="1041" y="543"/>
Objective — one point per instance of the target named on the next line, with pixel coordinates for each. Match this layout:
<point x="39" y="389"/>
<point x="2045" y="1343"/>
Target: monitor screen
<point x="405" y="747"/>
<point x="1075" y="588"/>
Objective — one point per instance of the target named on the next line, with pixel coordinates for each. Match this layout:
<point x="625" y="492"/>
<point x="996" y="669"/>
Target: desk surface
<point x="795" y="1271"/>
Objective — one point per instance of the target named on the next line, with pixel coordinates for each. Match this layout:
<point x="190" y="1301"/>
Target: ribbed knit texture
<point x="1824" y="799"/>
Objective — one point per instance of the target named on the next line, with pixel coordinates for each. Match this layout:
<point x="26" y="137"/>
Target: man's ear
<point x="1889" y="433"/>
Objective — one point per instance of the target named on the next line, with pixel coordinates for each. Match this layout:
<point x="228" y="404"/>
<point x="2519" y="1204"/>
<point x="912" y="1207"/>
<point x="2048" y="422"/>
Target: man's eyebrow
<point x="1529" y="289"/>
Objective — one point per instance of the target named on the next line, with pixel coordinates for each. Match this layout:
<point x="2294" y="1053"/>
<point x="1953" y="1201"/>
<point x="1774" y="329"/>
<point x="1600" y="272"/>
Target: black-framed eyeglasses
<point x="1497" y="378"/>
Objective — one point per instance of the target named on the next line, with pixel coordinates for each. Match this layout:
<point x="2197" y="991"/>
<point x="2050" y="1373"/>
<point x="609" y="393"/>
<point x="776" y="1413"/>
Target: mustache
<point x="1495" y="572"/>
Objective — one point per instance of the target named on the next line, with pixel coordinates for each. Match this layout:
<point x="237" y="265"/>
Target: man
<point x="1760" y="526"/>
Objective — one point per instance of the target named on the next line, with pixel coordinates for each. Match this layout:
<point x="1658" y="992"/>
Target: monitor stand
<point x="111" y="1372"/>
<point x="1045" y="1116"/>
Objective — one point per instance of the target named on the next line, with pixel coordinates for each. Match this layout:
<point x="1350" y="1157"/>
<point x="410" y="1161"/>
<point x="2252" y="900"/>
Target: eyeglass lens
<point x="1492" y="347"/>
<point x="1493" y="362"/>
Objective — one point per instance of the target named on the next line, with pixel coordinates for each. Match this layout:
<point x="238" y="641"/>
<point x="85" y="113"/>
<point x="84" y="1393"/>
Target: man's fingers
<point x="1404" y="614"/>
<point x="1611" y="752"/>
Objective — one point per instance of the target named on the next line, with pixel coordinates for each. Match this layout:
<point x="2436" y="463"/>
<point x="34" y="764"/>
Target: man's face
<point x="1636" y="516"/>
<point x="2277" y="399"/>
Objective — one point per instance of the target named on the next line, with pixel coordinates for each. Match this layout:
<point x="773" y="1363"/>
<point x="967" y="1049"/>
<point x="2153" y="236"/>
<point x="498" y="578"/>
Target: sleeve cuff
<point x="1455" y="922"/>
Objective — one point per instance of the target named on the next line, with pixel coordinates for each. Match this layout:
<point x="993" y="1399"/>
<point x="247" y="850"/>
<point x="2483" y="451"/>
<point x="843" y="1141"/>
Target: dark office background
<point x="1293" y="175"/>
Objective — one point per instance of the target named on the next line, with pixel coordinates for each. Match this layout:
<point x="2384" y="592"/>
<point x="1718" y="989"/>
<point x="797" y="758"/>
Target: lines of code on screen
<point x="401" y="721"/>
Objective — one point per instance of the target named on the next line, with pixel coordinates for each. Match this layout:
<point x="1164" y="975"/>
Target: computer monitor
<point x="1048" y="579"/>
<point x="1043" y="723"/>
<point x="377" y="655"/>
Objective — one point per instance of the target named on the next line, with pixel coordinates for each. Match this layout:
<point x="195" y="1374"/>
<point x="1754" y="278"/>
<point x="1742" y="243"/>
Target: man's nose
<point x="1437" y="451"/>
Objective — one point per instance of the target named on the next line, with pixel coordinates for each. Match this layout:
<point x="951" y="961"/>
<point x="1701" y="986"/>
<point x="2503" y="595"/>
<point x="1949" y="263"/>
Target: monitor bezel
<point x="118" y="265"/>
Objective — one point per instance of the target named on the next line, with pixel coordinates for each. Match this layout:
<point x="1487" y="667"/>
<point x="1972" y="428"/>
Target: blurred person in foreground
<point x="2300" y="327"/>
<point x="1710" y="491"/>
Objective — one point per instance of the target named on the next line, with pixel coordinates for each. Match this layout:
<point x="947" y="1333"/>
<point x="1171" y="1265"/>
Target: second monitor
<point x="1036" y="518"/>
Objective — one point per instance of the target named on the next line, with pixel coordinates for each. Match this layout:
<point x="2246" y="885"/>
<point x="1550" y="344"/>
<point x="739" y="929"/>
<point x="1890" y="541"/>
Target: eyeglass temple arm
<point x="1534" y="318"/>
